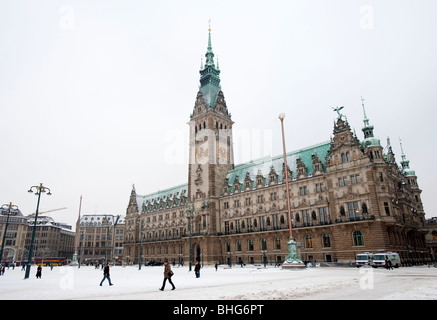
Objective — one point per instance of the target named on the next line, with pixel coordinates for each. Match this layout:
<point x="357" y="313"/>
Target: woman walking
<point x="167" y="275"/>
<point x="39" y="272"/>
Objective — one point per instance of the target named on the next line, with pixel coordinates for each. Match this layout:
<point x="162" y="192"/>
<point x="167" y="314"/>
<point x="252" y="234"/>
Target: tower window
<point x="387" y="208"/>
<point x="381" y="176"/>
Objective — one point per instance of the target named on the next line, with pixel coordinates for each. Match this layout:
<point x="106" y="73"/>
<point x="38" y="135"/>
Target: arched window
<point x="250" y="245"/>
<point x="263" y="244"/>
<point x="358" y="238"/>
<point x="277" y="243"/>
<point x="238" y="245"/>
<point x="297" y="217"/>
<point x="308" y="241"/>
<point x="342" y="211"/>
<point x="326" y="240"/>
<point x="228" y="246"/>
<point x="364" y="208"/>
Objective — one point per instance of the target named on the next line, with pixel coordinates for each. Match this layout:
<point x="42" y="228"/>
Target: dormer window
<point x="345" y="157"/>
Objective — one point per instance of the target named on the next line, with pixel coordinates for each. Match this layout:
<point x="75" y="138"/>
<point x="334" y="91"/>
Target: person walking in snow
<point x="197" y="269"/>
<point x="106" y="275"/>
<point x="167" y="275"/>
<point x="39" y="272"/>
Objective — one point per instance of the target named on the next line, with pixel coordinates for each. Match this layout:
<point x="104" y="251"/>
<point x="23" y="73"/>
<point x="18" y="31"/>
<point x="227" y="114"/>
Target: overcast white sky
<point x="96" y="95"/>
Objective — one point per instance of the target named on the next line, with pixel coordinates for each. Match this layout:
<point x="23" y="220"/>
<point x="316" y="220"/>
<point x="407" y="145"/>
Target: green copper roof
<point x="209" y="77"/>
<point x="264" y="165"/>
<point x="170" y="194"/>
<point x="371" y="142"/>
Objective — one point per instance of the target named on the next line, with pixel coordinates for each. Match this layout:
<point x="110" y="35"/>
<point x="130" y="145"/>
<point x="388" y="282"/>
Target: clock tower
<point x="210" y="149"/>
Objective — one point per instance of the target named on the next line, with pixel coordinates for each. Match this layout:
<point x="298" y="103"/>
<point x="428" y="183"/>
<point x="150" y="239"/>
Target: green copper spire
<point x="209" y="76"/>
<point x="367" y="129"/>
<point x="369" y="139"/>
<point x="406" y="163"/>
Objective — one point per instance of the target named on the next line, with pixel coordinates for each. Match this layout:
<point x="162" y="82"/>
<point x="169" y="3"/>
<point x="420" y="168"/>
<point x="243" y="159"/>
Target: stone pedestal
<point x="293" y="260"/>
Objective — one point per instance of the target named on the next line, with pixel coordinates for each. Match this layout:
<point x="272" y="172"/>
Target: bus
<point x="50" y="261"/>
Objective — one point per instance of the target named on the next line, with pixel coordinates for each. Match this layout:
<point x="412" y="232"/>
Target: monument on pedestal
<point x="293" y="260"/>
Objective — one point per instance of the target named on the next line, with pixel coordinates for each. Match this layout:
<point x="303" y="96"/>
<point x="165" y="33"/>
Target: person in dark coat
<point x="197" y="269"/>
<point x="39" y="272"/>
<point x="106" y="275"/>
<point x="167" y="275"/>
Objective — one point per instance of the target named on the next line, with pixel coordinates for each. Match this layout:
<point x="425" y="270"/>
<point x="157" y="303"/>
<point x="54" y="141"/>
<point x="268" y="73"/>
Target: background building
<point x="52" y="239"/>
<point x="348" y="196"/>
<point x="431" y="237"/>
<point x="100" y="238"/>
<point x="15" y="236"/>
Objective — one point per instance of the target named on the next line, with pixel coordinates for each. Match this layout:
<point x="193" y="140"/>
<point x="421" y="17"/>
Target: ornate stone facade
<point x="348" y="196"/>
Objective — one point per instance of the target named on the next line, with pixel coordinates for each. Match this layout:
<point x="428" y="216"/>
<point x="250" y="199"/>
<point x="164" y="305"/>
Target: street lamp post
<point x="9" y="210"/>
<point x="264" y="258"/>
<point x="39" y="189"/>
<point x="293" y="259"/>
<point x="140" y="260"/>
<point x="190" y="211"/>
<point x="82" y="240"/>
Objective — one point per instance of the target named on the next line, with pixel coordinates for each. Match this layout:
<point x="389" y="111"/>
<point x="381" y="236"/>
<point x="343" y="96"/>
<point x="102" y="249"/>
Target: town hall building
<point x="348" y="196"/>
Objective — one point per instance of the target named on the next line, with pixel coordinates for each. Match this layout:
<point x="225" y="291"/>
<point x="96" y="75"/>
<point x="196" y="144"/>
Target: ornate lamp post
<point x="39" y="189"/>
<point x="293" y="259"/>
<point x="264" y="258"/>
<point x="9" y="210"/>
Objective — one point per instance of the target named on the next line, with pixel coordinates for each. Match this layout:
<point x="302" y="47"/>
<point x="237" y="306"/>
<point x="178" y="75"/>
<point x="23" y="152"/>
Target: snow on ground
<point x="250" y="282"/>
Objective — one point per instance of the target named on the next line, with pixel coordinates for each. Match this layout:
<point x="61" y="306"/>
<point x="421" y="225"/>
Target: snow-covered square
<point x="247" y="283"/>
